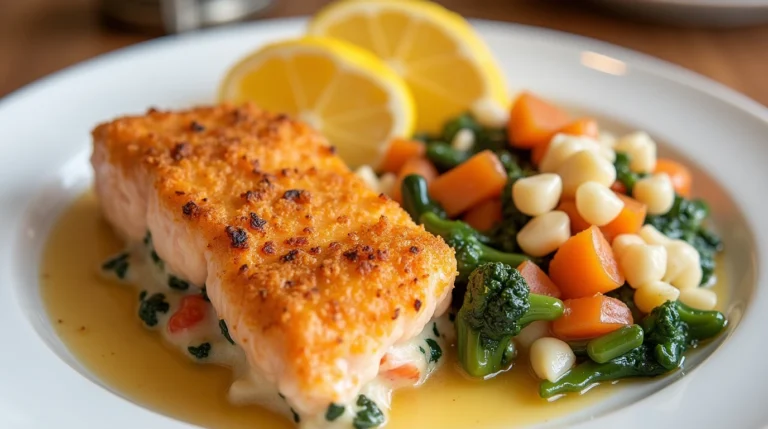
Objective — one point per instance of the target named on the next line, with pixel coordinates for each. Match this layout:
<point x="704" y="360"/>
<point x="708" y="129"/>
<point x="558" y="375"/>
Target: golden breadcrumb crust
<point x="314" y="265"/>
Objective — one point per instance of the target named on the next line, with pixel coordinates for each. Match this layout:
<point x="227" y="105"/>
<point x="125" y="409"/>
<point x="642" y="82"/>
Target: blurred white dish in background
<point x="706" y="13"/>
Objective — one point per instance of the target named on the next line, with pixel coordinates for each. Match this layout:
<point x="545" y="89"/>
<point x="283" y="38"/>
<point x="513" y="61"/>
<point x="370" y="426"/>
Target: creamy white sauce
<point x="149" y="275"/>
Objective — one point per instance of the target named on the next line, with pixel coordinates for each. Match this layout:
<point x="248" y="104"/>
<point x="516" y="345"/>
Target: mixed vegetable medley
<point x="594" y="240"/>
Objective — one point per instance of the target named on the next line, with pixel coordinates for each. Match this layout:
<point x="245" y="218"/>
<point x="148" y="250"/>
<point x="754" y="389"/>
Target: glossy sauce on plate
<point x="96" y="319"/>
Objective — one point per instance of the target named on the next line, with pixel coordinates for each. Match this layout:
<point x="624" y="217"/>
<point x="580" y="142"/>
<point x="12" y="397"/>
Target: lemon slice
<point x="445" y="63"/>
<point x="350" y="96"/>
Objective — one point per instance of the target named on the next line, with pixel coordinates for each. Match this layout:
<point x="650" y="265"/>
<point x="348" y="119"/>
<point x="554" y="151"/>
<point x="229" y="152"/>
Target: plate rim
<point x="645" y="62"/>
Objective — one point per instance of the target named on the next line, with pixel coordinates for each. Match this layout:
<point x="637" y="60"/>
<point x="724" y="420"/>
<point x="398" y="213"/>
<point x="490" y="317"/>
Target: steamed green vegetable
<point x="614" y="344"/>
<point x="497" y="305"/>
<point x="668" y="331"/>
<point x="416" y="200"/>
<point x="467" y="242"/>
<point x="673" y="327"/>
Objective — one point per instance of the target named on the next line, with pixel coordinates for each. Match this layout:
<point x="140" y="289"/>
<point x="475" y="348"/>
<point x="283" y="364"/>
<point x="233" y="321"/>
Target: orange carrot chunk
<point x="399" y="152"/>
<point x="419" y="165"/>
<point x="590" y="317"/>
<point x="533" y="121"/>
<point x="578" y="223"/>
<point x="485" y="215"/>
<point x="479" y="178"/>
<point x="538" y="281"/>
<point x="584" y="265"/>
<point x="191" y="311"/>
<point x="629" y="220"/>
<point x="408" y="371"/>
<point x="586" y="127"/>
<point x="680" y="175"/>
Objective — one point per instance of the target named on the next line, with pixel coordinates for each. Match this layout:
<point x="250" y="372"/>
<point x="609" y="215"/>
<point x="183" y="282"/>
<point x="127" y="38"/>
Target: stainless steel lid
<point x="176" y="16"/>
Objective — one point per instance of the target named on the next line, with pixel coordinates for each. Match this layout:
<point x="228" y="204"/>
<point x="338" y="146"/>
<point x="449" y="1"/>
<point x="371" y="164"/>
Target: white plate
<point x="713" y="13"/>
<point x="45" y="144"/>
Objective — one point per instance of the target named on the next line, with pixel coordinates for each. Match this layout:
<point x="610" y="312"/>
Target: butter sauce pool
<point x="96" y="320"/>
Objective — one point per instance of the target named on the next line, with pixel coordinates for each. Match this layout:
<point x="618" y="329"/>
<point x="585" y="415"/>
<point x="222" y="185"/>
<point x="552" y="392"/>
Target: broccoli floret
<point x="638" y="362"/>
<point x="685" y="221"/>
<point x="471" y="252"/>
<point x="149" y="308"/>
<point x="673" y="327"/>
<point x="497" y="305"/>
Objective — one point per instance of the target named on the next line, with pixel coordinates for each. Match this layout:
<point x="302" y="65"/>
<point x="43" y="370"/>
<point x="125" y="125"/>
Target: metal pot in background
<point x="177" y="16"/>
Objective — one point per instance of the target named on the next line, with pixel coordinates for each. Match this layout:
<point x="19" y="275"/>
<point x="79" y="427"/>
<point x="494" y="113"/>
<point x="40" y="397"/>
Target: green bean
<point x="615" y="344"/>
<point x="579" y="348"/>
<point x="444" y="156"/>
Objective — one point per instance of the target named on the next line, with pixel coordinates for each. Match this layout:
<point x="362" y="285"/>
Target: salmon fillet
<point x="316" y="275"/>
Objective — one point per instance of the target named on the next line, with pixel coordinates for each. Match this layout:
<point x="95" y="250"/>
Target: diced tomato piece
<point x="191" y="311"/>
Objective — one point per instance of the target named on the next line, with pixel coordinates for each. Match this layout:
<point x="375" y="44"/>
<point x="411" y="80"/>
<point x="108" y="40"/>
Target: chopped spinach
<point x="118" y="264"/>
<point x="149" y="307"/>
<point x="334" y="412"/>
<point x="142" y="295"/>
<point x="225" y="331"/>
<point x="369" y="416"/>
<point x="624" y="175"/>
<point x="421" y="349"/>
<point x="177" y="283"/>
<point x="201" y="351"/>
<point x="435" y="352"/>
<point x="434" y="330"/>
<point x="152" y="254"/>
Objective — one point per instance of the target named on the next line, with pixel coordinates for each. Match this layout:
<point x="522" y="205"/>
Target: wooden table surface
<point x="38" y="37"/>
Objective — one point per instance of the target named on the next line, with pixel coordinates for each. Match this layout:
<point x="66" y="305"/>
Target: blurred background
<point x="726" y="40"/>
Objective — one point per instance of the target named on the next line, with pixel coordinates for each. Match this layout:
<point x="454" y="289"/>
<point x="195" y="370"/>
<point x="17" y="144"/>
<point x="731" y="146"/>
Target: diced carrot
<point x="485" y="215"/>
<point x="629" y="220"/>
<point x="581" y="127"/>
<point x="586" y="127"/>
<point x="578" y="223"/>
<point x="533" y="121"/>
<point x="421" y="166"/>
<point x="191" y="311"/>
<point x="538" y="152"/>
<point x="538" y="281"/>
<point x="590" y="317"/>
<point x="479" y="178"/>
<point x="408" y="371"/>
<point x="399" y="152"/>
<point x="584" y="265"/>
<point x="619" y="188"/>
<point x="680" y="175"/>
